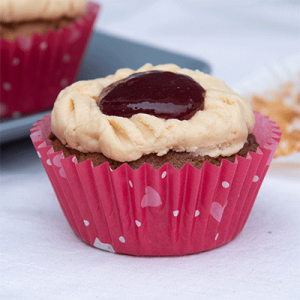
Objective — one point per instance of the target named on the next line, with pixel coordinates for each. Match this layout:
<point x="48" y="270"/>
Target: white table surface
<point x="40" y="256"/>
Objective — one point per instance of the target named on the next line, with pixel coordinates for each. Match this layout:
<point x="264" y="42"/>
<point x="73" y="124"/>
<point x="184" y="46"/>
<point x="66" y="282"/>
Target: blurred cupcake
<point x="158" y="161"/>
<point x="42" y="45"/>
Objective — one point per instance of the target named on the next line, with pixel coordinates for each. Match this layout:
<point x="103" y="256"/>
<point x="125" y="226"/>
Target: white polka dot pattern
<point x="7" y="86"/>
<point x="122" y="239"/>
<point x="16" y="61"/>
<point x="43" y="46"/>
<point x="175" y="213"/>
<point x="225" y="184"/>
<point x="164" y="174"/>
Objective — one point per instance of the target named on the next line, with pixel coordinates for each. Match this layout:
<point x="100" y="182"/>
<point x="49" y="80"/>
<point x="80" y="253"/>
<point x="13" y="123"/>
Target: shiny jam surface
<point x="160" y="93"/>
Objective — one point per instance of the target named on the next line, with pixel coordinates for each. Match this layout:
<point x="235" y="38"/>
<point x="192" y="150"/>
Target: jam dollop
<point x="163" y="94"/>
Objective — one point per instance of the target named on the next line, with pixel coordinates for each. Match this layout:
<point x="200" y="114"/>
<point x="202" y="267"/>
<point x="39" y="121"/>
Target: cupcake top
<point x="219" y="125"/>
<point x="28" y="10"/>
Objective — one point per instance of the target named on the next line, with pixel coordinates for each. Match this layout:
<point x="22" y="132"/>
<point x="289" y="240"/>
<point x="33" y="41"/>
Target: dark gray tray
<point x="104" y="56"/>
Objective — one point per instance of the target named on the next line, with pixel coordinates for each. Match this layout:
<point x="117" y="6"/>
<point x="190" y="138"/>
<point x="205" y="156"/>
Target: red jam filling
<point x="162" y="94"/>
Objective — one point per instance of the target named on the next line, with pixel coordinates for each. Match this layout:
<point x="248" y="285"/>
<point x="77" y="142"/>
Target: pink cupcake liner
<point x="157" y="212"/>
<point x="35" y="69"/>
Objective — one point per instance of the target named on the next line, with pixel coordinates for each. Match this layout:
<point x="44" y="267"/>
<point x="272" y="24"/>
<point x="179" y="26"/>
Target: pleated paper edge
<point x="263" y="155"/>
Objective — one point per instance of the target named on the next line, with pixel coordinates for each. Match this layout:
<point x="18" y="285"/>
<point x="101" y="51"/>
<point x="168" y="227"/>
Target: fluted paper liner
<point x="157" y="212"/>
<point x="35" y="69"/>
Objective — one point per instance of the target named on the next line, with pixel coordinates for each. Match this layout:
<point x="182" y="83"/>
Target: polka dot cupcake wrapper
<point x="157" y="212"/>
<point x="35" y="69"/>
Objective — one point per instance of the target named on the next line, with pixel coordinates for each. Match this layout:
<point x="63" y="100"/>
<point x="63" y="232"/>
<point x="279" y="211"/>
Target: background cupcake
<point x="42" y="45"/>
<point x="167" y="211"/>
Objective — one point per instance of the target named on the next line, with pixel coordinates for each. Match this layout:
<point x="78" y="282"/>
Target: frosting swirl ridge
<point x="221" y="128"/>
<point x="28" y="10"/>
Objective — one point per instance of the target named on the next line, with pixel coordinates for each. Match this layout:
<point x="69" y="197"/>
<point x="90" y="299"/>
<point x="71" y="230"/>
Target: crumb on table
<point x="283" y="106"/>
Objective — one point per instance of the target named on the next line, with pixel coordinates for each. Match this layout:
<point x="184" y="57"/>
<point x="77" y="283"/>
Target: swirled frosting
<point x="28" y="10"/>
<point x="221" y="128"/>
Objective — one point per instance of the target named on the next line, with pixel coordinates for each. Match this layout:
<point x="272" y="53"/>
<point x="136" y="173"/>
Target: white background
<point x="236" y="37"/>
<point x="41" y="258"/>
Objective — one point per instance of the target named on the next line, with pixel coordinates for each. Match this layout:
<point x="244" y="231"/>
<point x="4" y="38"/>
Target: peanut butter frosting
<point x="13" y="30"/>
<point x="12" y="11"/>
<point x="221" y="128"/>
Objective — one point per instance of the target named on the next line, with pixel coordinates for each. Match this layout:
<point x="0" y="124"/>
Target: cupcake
<point x="158" y="161"/>
<point x="42" y="45"/>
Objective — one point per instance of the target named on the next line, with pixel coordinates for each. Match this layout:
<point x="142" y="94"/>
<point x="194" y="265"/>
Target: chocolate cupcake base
<point x="175" y="159"/>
